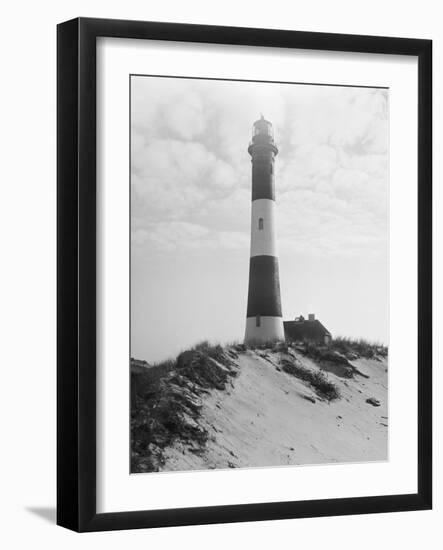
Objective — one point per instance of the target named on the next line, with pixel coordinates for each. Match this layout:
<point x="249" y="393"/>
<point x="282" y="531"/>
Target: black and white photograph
<point x="259" y="274"/>
<point x="220" y="275"/>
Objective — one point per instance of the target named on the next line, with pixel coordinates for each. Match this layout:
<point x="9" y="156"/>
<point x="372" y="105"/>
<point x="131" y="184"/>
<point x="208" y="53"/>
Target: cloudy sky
<point x="191" y="201"/>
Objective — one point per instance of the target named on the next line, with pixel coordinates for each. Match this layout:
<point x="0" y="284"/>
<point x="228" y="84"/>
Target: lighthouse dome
<point x="262" y="127"/>
<point x="262" y="137"/>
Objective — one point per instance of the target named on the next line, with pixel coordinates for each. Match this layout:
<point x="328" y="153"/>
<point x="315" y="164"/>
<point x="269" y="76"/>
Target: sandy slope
<point x="264" y="418"/>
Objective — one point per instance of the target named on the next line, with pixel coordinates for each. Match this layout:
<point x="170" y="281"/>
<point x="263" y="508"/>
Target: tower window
<point x="260" y="224"/>
<point x="257" y="320"/>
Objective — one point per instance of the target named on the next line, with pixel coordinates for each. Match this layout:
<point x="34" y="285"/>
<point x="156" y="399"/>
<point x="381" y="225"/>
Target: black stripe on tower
<point x="264" y="287"/>
<point x="263" y="179"/>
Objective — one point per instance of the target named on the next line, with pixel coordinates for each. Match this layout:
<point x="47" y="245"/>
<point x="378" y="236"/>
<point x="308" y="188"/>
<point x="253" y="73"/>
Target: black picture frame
<point x="76" y="273"/>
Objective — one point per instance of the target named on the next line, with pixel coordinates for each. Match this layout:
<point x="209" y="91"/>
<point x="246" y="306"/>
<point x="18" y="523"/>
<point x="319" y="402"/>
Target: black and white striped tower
<point x="264" y="320"/>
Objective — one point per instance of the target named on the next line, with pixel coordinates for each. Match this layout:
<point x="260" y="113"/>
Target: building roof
<point x="305" y="329"/>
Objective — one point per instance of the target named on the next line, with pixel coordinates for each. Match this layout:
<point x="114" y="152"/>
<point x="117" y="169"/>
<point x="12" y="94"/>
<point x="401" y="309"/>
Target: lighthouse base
<point x="262" y="329"/>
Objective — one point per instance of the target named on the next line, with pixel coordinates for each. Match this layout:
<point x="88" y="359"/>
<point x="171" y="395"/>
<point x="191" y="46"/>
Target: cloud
<point x="184" y="236"/>
<point x="173" y="179"/>
<point x="191" y="172"/>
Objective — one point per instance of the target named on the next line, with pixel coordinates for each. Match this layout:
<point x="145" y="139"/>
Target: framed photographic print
<point x="244" y="274"/>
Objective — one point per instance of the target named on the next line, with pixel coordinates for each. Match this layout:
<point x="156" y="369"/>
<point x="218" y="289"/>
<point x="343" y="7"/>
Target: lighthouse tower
<point x="264" y="320"/>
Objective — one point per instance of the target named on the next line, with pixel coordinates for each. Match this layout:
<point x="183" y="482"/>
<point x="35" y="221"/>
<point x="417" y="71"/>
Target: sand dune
<point x="267" y="417"/>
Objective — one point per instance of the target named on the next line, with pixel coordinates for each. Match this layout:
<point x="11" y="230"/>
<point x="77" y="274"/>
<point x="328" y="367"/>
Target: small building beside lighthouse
<point x="264" y="320"/>
<point x="307" y="330"/>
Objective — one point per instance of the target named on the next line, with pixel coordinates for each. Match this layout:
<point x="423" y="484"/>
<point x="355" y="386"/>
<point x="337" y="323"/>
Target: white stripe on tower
<point x="264" y="320"/>
<point x="263" y="241"/>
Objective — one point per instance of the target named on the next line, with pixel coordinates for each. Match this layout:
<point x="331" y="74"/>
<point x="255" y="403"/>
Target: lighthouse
<point x="264" y="322"/>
